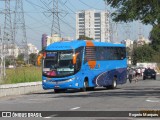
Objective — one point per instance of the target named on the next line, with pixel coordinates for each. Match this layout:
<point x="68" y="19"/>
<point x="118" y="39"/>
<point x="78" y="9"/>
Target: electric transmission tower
<point x="55" y="21"/>
<point x="54" y="12"/>
<point x="20" y="29"/>
<point x="2" y="59"/>
<point x="6" y="42"/>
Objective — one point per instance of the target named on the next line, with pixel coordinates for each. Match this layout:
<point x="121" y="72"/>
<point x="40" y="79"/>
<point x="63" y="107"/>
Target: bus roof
<point x="68" y="45"/>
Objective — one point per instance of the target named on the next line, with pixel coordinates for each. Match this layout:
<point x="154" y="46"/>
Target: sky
<point x="38" y="19"/>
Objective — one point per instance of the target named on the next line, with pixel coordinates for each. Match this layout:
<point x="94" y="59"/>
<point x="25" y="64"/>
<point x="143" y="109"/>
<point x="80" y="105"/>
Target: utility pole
<point x="19" y="26"/>
<point x="55" y="21"/>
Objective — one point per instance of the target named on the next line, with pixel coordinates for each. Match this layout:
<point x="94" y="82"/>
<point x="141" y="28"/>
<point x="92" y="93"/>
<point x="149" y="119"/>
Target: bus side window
<point x="79" y="58"/>
<point x="123" y="53"/>
<point x="78" y="63"/>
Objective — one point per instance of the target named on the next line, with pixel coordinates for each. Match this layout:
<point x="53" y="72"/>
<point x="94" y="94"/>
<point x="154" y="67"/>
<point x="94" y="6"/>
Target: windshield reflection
<point x="58" y="64"/>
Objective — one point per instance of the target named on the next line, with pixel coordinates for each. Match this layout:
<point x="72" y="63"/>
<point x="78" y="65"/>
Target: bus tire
<point x="90" y="88"/>
<point x="85" y="84"/>
<point x="57" y="91"/>
<point x="114" y="83"/>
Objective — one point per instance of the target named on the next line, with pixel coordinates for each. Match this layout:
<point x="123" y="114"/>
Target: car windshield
<point x="58" y="64"/>
<point x="149" y="71"/>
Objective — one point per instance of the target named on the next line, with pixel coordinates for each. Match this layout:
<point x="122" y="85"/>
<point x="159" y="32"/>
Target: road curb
<point x="20" y="88"/>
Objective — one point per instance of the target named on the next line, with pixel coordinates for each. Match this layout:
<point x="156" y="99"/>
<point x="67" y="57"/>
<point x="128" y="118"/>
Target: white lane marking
<point x="47" y="117"/>
<point x="51" y="116"/>
<point x="75" y="108"/>
<point x="152" y="100"/>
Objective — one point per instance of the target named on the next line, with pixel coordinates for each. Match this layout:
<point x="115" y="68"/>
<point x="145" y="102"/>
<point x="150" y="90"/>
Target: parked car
<point x="149" y="74"/>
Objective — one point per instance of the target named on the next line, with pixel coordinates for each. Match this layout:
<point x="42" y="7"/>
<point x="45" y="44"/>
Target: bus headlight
<point x="44" y="80"/>
<point x="69" y="80"/>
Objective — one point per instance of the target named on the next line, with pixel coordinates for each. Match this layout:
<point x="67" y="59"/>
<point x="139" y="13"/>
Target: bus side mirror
<point x="75" y="58"/>
<point x="39" y="59"/>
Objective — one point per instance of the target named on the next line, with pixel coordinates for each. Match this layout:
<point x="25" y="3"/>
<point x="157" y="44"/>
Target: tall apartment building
<point x="93" y="24"/>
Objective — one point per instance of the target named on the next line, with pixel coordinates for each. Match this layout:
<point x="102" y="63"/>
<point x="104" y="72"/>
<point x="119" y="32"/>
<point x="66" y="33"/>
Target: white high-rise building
<point x="128" y="43"/>
<point x="32" y="49"/>
<point x="93" y="24"/>
<point x="53" y="38"/>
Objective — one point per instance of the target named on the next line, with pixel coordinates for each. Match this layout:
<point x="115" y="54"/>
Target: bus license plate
<point x="56" y="86"/>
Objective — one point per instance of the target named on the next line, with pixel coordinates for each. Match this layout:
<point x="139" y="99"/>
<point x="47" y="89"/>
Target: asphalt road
<point x="141" y="96"/>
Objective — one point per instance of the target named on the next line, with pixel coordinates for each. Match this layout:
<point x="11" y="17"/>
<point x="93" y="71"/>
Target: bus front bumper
<point x="59" y="85"/>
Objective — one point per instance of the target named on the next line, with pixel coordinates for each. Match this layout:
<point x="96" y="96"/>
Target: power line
<point x="64" y="4"/>
<point x="71" y="4"/>
<point x="35" y="4"/>
<point x="89" y="5"/>
<point x="50" y="11"/>
<point x="55" y="16"/>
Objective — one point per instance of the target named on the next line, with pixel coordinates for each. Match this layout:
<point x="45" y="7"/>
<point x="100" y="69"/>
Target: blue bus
<point x="83" y="64"/>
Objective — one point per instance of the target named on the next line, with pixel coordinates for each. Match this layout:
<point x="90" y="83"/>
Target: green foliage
<point x="155" y="37"/>
<point x="143" y="54"/>
<point x="83" y="37"/>
<point x="33" y="58"/>
<point x="20" y="57"/>
<point x="23" y="74"/>
<point x="156" y="57"/>
<point x="147" y="11"/>
<point x="128" y="50"/>
<point x="7" y="62"/>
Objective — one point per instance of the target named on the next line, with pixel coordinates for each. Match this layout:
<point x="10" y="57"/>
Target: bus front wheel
<point x="59" y="90"/>
<point x="85" y="84"/>
<point x="114" y="84"/>
<point x="56" y="90"/>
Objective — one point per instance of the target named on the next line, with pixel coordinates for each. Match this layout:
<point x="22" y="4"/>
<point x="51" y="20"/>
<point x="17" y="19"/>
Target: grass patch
<point x="23" y="74"/>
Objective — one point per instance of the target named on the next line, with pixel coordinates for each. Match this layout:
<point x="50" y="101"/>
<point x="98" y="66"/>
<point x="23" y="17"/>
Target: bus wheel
<point x="114" y="83"/>
<point x="57" y="90"/>
<point x="90" y="88"/>
<point x="84" y="86"/>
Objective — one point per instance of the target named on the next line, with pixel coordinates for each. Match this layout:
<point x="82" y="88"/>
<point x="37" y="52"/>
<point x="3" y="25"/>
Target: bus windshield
<point x="58" y="64"/>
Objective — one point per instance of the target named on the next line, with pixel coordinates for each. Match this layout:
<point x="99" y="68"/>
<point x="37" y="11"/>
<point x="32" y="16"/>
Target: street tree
<point x="33" y="58"/>
<point x="83" y="37"/>
<point x="143" y="54"/>
<point x="146" y="11"/>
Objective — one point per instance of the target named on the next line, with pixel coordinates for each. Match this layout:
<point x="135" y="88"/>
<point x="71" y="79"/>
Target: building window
<point x="81" y="25"/>
<point x="97" y="29"/>
<point x="96" y="22"/>
<point x="81" y="20"/>
<point x="81" y="15"/>
<point x="97" y="14"/>
<point x="97" y="25"/>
